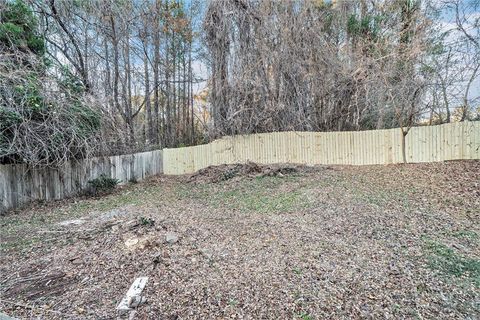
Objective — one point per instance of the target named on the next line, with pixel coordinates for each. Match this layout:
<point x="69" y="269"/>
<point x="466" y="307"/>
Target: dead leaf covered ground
<point x="335" y="242"/>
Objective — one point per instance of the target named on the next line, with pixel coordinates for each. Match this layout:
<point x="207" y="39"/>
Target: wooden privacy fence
<point x="423" y="144"/>
<point x="19" y="184"/>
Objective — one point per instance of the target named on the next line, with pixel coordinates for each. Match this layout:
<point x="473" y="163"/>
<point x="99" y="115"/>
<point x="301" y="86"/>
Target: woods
<point x="139" y="65"/>
<point x="133" y="72"/>
<point x="112" y="77"/>
<point x="341" y="65"/>
<point x="45" y="118"/>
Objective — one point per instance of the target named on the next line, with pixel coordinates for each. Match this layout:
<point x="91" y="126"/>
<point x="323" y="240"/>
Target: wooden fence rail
<point x="423" y="144"/>
<point x="20" y="184"/>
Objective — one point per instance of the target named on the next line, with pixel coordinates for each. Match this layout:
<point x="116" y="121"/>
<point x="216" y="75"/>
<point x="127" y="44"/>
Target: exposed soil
<point x="249" y="241"/>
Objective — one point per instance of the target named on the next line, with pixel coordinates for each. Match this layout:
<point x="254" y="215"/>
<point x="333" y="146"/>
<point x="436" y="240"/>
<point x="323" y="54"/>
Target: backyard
<point x="286" y="242"/>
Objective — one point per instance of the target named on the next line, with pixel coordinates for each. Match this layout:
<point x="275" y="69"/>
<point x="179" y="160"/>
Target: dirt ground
<point x="249" y="242"/>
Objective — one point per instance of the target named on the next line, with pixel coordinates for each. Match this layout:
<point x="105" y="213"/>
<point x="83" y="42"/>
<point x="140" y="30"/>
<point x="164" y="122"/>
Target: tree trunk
<point x="148" y="107"/>
<point x="156" y="70"/>
<point x="404" y="151"/>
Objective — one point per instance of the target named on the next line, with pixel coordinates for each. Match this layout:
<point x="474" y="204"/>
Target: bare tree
<point x="455" y="60"/>
<point x="116" y="54"/>
<point x="295" y="65"/>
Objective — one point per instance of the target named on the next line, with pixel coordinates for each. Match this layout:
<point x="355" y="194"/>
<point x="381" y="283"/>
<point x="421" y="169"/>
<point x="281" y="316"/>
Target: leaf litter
<point x="398" y="241"/>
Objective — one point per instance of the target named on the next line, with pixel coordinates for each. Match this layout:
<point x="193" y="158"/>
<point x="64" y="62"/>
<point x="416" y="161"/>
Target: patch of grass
<point x="305" y="316"/>
<point x="450" y="263"/>
<point x="110" y="203"/>
<point x="297" y="271"/>
<point x="265" y="203"/>
<point x="466" y="234"/>
<point x="232" y="302"/>
<point x="19" y="244"/>
<point x="192" y="191"/>
<point x="261" y="194"/>
<point x="382" y="198"/>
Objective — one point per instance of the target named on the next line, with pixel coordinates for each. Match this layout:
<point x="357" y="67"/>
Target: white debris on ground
<point x="132" y="298"/>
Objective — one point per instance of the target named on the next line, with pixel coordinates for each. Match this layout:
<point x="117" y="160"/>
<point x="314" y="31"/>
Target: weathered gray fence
<point x="19" y="184"/>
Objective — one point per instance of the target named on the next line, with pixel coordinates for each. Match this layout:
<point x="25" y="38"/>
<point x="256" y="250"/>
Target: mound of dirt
<point x="214" y="174"/>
